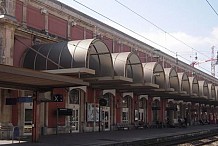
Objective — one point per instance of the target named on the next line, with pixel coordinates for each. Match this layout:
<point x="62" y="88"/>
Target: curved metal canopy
<point x="172" y="80"/>
<point x="184" y="85"/>
<point x="89" y="53"/>
<point x="212" y="91"/>
<point x="203" y="89"/>
<point x="128" y="64"/>
<point x="194" y="86"/>
<point x="154" y="73"/>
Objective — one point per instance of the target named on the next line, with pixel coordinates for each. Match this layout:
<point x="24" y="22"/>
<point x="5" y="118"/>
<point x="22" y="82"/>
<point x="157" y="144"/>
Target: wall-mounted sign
<point x="64" y="112"/>
<point x="92" y="112"/>
<point x="57" y="98"/>
<point x="11" y="101"/>
<point x="25" y="99"/>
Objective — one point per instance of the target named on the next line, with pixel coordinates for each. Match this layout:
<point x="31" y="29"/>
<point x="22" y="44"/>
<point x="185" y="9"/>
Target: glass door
<point x="141" y="115"/>
<point x="106" y="118"/>
<point x="28" y="116"/>
<point x="125" y="115"/>
<point x="74" y="121"/>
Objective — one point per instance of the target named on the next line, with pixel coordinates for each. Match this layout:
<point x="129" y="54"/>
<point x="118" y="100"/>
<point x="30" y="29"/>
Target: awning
<point x="128" y="64"/>
<point x="27" y="79"/>
<point x="89" y="54"/>
<point x="127" y="72"/>
<point x="154" y="73"/>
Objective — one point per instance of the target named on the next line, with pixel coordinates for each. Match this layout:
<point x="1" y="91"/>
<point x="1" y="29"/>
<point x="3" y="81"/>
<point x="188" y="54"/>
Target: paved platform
<point x="123" y="137"/>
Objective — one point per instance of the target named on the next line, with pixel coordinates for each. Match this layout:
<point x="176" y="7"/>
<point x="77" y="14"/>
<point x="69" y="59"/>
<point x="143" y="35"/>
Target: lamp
<point x="43" y="11"/>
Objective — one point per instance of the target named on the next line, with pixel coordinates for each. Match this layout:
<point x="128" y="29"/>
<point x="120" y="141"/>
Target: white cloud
<point x="215" y="32"/>
<point x="186" y="49"/>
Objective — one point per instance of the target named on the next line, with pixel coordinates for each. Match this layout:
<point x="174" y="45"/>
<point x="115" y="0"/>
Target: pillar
<point x="36" y="118"/>
<point x="7" y="29"/>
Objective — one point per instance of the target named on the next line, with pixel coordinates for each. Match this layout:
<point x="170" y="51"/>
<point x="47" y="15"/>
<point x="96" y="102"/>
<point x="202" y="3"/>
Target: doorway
<point x="74" y="120"/>
<point x="74" y="105"/>
<point x="105" y="118"/>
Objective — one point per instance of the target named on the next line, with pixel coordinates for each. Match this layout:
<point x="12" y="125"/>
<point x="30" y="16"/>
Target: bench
<point x="6" y="131"/>
<point x="122" y="126"/>
<point x="140" y="125"/>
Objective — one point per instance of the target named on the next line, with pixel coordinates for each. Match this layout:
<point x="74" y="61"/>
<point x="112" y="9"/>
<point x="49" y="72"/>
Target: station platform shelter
<point x="64" y="72"/>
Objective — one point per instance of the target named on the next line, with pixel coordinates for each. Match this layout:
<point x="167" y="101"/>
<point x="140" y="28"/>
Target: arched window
<point x="125" y="102"/>
<point x="74" y="97"/>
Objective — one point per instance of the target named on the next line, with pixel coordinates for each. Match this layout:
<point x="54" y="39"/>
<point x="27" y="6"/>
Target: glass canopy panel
<point x="137" y="70"/>
<point x="66" y="58"/>
<point x="127" y="64"/>
<point x="174" y="81"/>
<point x="212" y="91"/>
<point x="106" y="65"/>
<point x="129" y="69"/>
<point x="54" y="55"/>
<point x="184" y="82"/>
<point x="40" y="61"/>
<point x="159" y="76"/>
<point x="29" y="59"/>
<point x="195" y="86"/>
<point x="119" y="62"/>
<point x="206" y="90"/>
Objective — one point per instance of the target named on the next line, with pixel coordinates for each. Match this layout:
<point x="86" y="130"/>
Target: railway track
<point x="203" y="138"/>
<point x="213" y="141"/>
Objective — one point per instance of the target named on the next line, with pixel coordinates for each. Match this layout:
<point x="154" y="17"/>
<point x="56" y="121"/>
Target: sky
<point x="193" y="23"/>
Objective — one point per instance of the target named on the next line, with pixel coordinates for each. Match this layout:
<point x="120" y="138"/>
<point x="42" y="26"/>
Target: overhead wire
<point x="212" y="7"/>
<point x="123" y="26"/>
<point x="158" y="27"/>
<point x="132" y="31"/>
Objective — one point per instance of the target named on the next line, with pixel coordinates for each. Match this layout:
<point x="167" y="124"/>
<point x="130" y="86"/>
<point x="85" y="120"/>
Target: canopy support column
<point x="36" y="118"/>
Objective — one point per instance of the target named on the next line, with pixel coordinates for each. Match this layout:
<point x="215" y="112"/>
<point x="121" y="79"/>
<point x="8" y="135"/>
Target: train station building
<point x="63" y="71"/>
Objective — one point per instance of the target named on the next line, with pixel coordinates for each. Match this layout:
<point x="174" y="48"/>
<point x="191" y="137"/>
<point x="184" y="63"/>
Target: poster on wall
<point x="136" y="115"/>
<point x="92" y="112"/>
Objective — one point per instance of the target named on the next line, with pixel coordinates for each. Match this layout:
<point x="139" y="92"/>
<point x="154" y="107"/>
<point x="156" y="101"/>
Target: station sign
<point x="57" y="98"/>
<point x="14" y="100"/>
<point x="25" y="99"/>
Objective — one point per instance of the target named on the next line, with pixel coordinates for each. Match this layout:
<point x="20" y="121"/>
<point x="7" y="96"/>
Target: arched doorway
<point x="126" y="109"/>
<point x="107" y="112"/>
<point x="171" y="112"/>
<point x="142" y="116"/>
<point x="204" y="113"/>
<point x="155" y="111"/>
<point x="181" y="109"/>
<point x="76" y="102"/>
